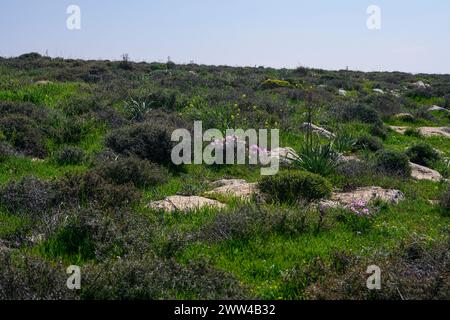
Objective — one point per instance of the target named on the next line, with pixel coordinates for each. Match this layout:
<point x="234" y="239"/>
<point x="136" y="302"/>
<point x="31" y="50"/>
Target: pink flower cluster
<point x="359" y="207"/>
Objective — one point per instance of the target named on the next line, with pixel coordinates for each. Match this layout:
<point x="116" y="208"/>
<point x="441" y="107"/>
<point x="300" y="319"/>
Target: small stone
<point x="183" y="203"/>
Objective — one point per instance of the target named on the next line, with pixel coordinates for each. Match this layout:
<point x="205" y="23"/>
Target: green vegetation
<point x="85" y="146"/>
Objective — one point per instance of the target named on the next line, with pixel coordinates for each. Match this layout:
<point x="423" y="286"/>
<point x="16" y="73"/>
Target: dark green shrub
<point x="149" y="278"/>
<point x="24" y="134"/>
<point x="148" y="140"/>
<point x="249" y="221"/>
<point x="367" y="142"/>
<point x="393" y="163"/>
<point x="445" y="202"/>
<point x="359" y="112"/>
<point x="73" y="131"/>
<point x="28" y="277"/>
<point x="29" y="196"/>
<point x="422" y="154"/>
<point x="293" y="186"/>
<point x="140" y="172"/>
<point x="379" y="131"/>
<point x="70" y="156"/>
<point x="90" y="189"/>
<point x="5" y="151"/>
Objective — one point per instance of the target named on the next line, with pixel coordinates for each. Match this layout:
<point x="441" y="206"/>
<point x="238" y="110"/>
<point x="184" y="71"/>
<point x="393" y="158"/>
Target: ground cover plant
<point x="85" y="149"/>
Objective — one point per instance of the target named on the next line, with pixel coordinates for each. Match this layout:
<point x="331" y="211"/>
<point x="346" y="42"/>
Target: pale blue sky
<point x="330" y="34"/>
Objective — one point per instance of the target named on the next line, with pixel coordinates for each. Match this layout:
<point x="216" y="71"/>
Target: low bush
<point x="28" y="197"/>
<point x="141" y="173"/>
<point x="367" y="142"/>
<point x="445" y="202"/>
<point x="294" y="186"/>
<point x="92" y="234"/>
<point x="26" y="277"/>
<point x="148" y="140"/>
<point x="24" y="134"/>
<point x="379" y="131"/>
<point x="152" y="278"/>
<point x="90" y="189"/>
<point x="422" y="154"/>
<point x="250" y="221"/>
<point x="5" y="151"/>
<point x="393" y="163"/>
<point x="412" y="261"/>
<point x="359" y="112"/>
<point x="70" y="156"/>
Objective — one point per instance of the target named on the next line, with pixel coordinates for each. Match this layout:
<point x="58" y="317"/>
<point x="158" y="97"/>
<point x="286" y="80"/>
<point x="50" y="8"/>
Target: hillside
<point x="86" y="179"/>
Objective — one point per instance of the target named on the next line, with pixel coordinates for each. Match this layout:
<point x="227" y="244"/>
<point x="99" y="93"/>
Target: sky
<point x="329" y="34"/>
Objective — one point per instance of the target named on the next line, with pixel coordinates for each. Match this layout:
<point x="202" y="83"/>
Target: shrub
<point x="293" y="186"/>
<point x="359" y="112"/>
<point x="140" y="172"/>
<point x="5" y="151"/>
<point x="89" y="233"/>
<point x="249" y="221"/>
<point x="24" y="277"/>
<point x="379" y="131"/>
<point x="70" y="156"/>
<point x="29" y="196"/>
<point x="93" y="190"/>
<point x="406" y="265"/>
<point x="151" y="278"/>
<point x="422" y="154"/>
<point x="274" y="83"/>
<point x="367" y="142"/>
<point x="445" y="202"/>
<point x="393" y="163"/>
<point x="351" y="172"/>
<point x="73" y="131"/>
<point x="148" y="140"/>
<point x="24" y="134"/>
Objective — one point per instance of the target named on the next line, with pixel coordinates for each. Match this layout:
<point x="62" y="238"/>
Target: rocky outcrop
<point x="318" y="130"/>
<point x="183" y="203"/>
<point x="437" y="108"/>
<point x="343" y="199"/>
<point x="426" y="131"/>
<point x="234" y="188"/>
<point x="423" y="173"/>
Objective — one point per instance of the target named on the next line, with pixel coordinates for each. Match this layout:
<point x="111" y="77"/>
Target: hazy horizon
<point x="287" y="34"/>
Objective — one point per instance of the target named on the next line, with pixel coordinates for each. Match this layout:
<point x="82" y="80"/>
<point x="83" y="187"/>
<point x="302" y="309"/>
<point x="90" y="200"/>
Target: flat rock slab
<point x="285" y="155"/>
<point x="318" y="130"/>
<point x="234" y="188"/>
<point x="183" y="203"/>
<point x="423" y="173"/>
<point x="343" y="199"/>
<point x="426" y="131"/>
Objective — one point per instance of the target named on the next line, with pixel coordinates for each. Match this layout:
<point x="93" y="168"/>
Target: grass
<point x="15" y="168"/>
<point x="262" y="262"/>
